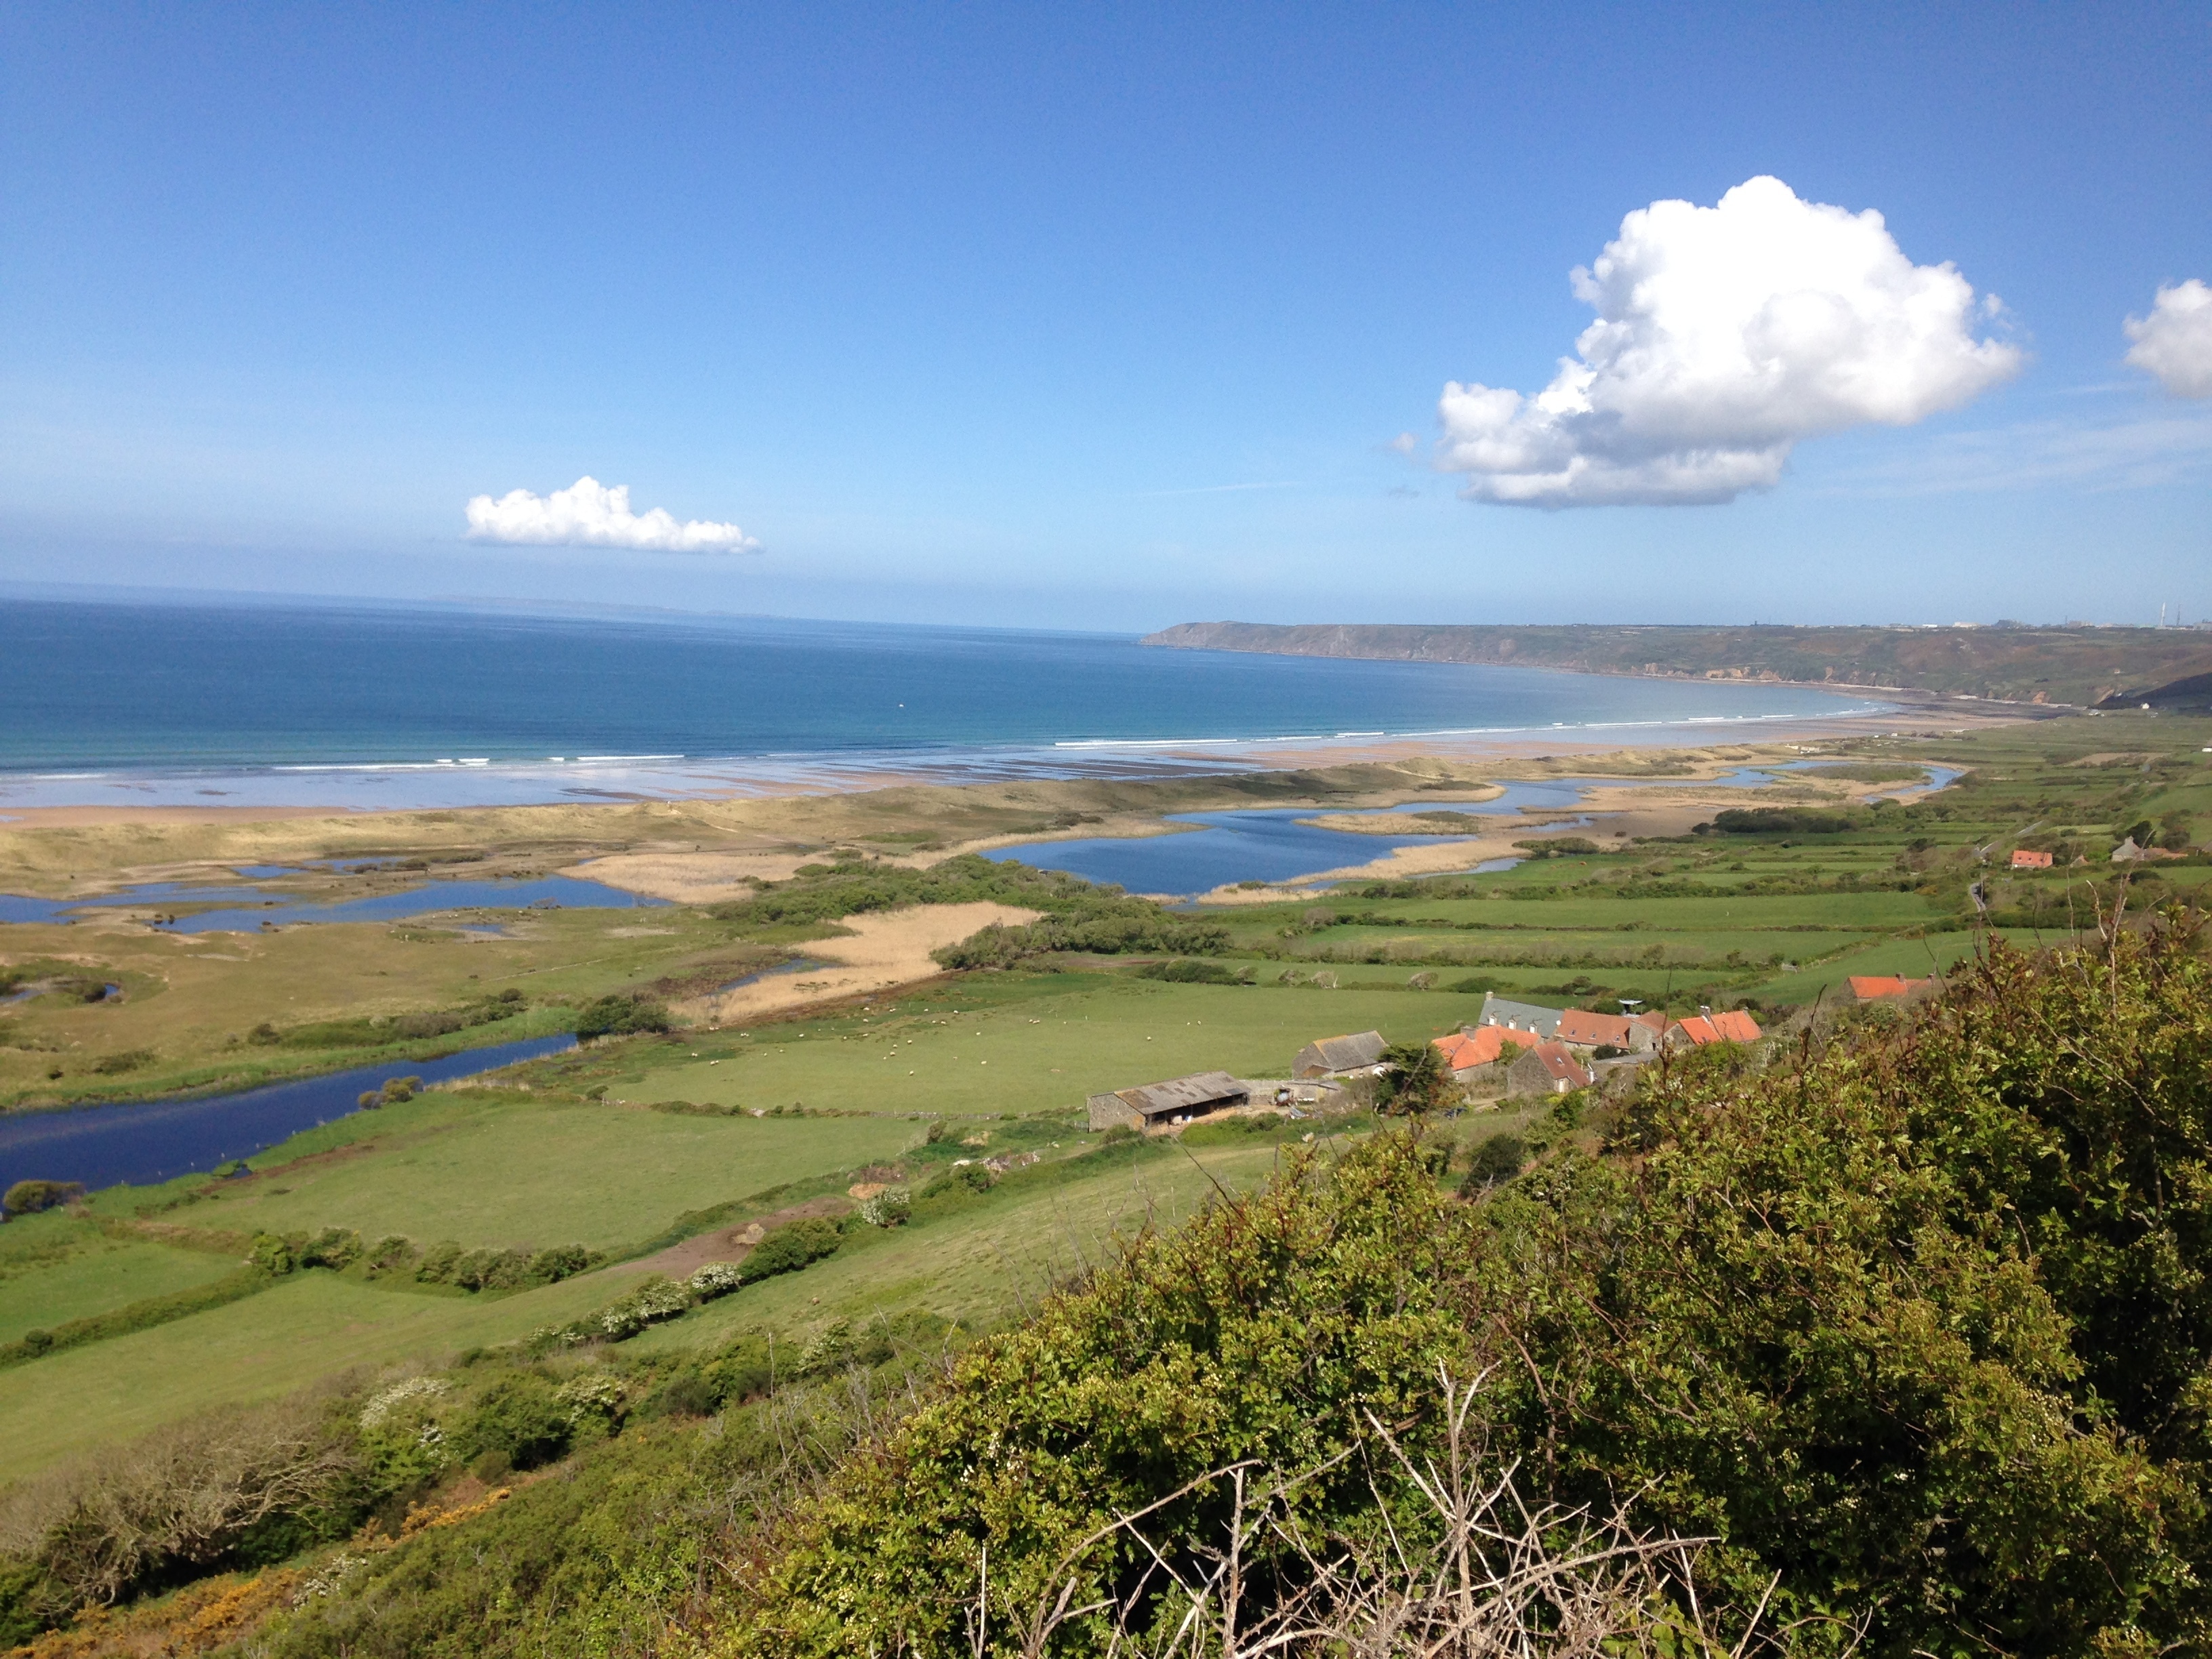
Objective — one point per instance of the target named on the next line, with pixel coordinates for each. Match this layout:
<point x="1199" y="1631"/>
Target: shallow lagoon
<point x="161" y="1139"/>
<point x="567" y="892"/>
<point x="1270" y="844"/>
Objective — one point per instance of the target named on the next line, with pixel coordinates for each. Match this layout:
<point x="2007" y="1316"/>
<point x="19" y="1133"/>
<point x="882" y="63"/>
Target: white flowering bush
<point x="383" y="1403"/>
<point x="715" y="1278"/>
<point x="332" y="1574"/>
<point x="888" y="1208"/>
<point x="594" y="1395"/>
<point x="829" y="1346"/>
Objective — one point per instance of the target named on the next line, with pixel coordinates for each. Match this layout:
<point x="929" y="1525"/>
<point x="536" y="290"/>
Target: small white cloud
<point x="589" y="513"/>
<point x="1725" y="335"/>
<point x="2174" y="342"/>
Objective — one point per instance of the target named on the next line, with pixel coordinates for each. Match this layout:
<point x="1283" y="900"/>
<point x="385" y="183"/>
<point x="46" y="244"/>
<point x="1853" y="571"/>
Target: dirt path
<point x="733" y="1244"/>
<point x="886" y="948"/>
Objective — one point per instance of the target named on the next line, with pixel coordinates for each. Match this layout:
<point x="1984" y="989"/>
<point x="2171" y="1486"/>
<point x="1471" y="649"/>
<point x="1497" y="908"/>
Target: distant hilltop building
<point x="1337" y="1056"/>
<point x="1518" y="1016"/>
<point x="1172" y="1101"/>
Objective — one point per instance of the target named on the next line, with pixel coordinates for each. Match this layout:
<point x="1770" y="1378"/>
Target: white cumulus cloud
<point x="589" y="513"/>
<point x="1724" y="336"/>
<point x="2174" y="342"/>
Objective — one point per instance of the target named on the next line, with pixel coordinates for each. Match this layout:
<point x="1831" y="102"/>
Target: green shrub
<point x="1499" y="1159"/>
<point x="1186" y="971"/>
<point x="621" y="1015"/>
<point x="792" y="1246"/>
<point x="519" y="1419"/>
<point x="126" y="1059"/>
<point x="28" y="1197"/>
<point x="1415" y="1079"/>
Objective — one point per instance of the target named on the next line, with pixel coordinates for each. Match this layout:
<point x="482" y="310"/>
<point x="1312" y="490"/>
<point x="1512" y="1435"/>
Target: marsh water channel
<point x="187" y="908"/>
<point x="147" y="1141"/>
<point x="1273" y="844"/>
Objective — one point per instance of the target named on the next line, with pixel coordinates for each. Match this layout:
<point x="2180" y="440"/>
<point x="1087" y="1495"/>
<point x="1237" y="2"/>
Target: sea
<point x="365" y="706"/>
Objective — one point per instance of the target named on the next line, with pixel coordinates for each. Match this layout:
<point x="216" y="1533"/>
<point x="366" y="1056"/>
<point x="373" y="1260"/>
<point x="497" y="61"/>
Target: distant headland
<point x="2076" y="664"/>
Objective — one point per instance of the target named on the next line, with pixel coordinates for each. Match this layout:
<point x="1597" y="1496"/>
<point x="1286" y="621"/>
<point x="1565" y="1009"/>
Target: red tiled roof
<point x="1589" y="1029"/>
<point x="1733" y="1026"/>
<point x="1872" y="987"/>
<point x="1561" y="1065"/>
<point x="2023" y="859"/>
<point x="1479" y="1047"/>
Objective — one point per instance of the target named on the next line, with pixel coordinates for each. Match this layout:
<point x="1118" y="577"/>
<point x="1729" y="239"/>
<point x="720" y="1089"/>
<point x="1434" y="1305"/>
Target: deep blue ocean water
<point x="138" y="701"/>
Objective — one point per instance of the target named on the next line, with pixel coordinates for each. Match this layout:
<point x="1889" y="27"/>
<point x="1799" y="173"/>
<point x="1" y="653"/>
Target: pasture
<point x="502" y="1168"/>
<point x="1016" y="1043"/>
<point x="56" y="1267"/>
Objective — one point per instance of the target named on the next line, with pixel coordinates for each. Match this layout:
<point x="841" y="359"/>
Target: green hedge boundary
<point x="142" y="1316"/>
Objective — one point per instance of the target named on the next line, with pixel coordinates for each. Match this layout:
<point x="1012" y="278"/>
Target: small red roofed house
<point x="1580" y="1028"/>
<point x="1733" y="1025"/>
<point x="2024" y="859"/>
<point x="1463" y="1051"/>
<point x="1874" y="987"/>
<point x="1547" y="1069"/>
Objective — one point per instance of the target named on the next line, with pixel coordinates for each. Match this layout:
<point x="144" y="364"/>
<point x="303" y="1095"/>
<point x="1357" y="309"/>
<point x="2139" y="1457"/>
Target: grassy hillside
<point x="2073" y="664"/>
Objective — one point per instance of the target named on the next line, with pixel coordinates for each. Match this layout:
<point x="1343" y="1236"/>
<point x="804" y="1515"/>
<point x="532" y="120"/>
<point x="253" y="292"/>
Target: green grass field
<point x="976" y="1268"/>
<point x="508" y="1169"/>
<point x="1024" y="1042"/>
<point x="305" y="1328"/>
<point x="55" y="1267"/>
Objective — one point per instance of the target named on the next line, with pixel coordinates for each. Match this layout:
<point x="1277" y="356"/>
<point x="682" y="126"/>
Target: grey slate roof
<point x="1518" y="1016"/>
<point x="1345" y="1053"/>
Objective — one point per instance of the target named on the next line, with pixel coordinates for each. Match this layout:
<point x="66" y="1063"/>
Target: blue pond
<point x="1260" y="844"/>
<point x="159" y="1140"/>
<point x="1270" y="844"/>
<point x="566" y="892"/>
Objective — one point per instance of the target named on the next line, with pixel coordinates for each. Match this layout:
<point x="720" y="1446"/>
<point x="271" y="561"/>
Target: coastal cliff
<point x="2080" y="665"/>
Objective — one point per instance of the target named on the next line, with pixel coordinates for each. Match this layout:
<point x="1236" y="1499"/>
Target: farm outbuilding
<point x="1149" y="1103"/>
<point x="1337" y="1056"/>
<point x="1547" y="1069"/>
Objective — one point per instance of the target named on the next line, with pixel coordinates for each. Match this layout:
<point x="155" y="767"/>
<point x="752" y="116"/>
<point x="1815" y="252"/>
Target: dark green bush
<point x="1499" y="1159"/>
<point x="28" y="1197"/>
<point x="621" y="1015"/>
<point x="518" y="1418"/>
<point x="1186" y="971"/>
<point x="792" y="1246"/>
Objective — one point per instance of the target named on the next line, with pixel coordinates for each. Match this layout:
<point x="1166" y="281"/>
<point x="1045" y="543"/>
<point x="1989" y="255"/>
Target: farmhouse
<point x="1874" y="987"/>
<point x="1732" y="1026"/>
<point x="1632" y="1033"/>
<point x="1547" y="1069"/>
<point x="2025" y="858"/>
<point x="1468" y="1051"/>
<point x="1172" y="1101"/>
<point x="1334" y="1056"/>
<point x="1518" y="1016"/>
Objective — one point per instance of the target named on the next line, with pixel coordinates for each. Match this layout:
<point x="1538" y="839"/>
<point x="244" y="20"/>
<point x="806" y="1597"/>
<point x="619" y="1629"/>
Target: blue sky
<point x="1071" y="317"/>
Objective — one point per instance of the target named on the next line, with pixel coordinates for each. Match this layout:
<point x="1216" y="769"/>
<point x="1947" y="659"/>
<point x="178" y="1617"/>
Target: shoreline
<point x="675" y="781"/>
